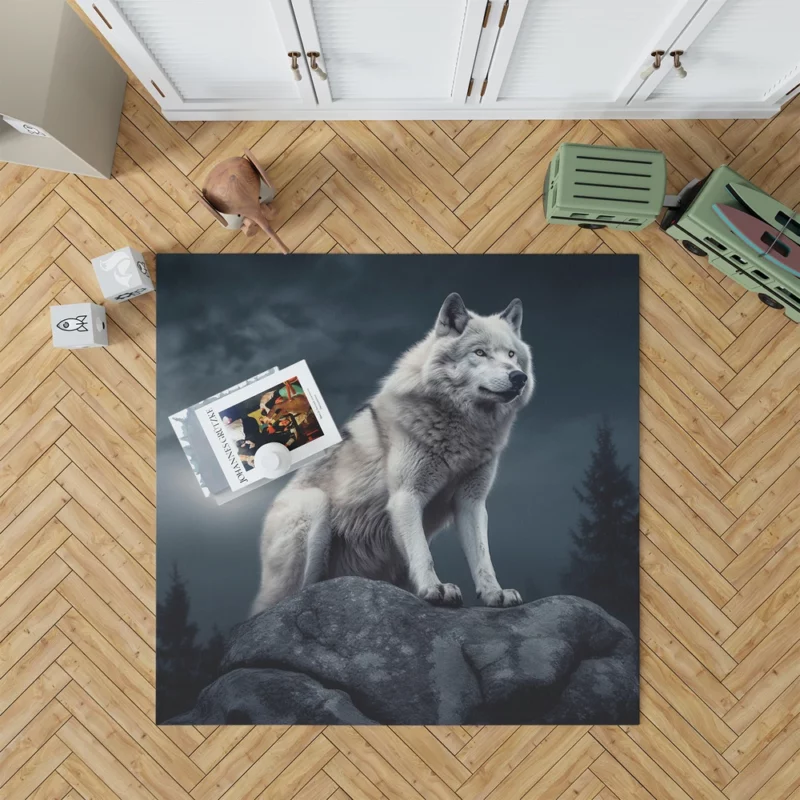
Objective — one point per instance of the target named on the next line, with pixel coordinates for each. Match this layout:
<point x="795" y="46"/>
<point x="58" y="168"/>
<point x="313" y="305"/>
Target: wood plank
<point x="770" y="724"/>
<point x="31" y="484"/>
<point x="104" y="547"/>
<point x="79" y="450"/>
<point x="12" y="176"/>
<point x="691" y="707"/>
<point x="144" y="153"/>
<point x="684" y="556"/>
<point x="349" y="200"/>
<point x="31" y="593"/>
<point x="33" y="773"/>
<point x="497" y="148"/>
<point x="32" y="301"/>
<point x="109" y="443"/>
<point x="25" y="199"/>
<point x="685" y="412"/>
<point x="30" y="413"/>
<point x="159" y="131"/>
<point x="703" y="611"/>
<point x="120" y="744"/>
<point x="684" y="737"/>
<point x="684" y="483"/>
<point x="31" y="266"/>
<point x="236" y="763"/>
<point x="680" y="660"/>
<point x="115" y="197"/>
<point x="759" y="515"/>
<point x="134" y="722"/>
<point x="780" y="384"/>
<point x="691" y="634"/>
<point x="86" y="784"/>
<point x="452" y="127"/>
<point x="404" y="183"/>
<point x="767" y="580"/>
<point x="91" y="208"/>
<point x="504" y="177"/>
<point x="209" y="135"/>
<point x="87" y="750"/>
<point x="476" y="133"/>
<point x="437" y="143"/>
<point x="683" y="374"/>
<point x="142" y="187"/>
<point x="685" y="339"/>
<point x="126" y="642"/>
<point x="419" y="161"/>
<point x="765" y="617"/>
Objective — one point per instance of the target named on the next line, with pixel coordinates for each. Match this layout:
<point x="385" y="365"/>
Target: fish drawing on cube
<point x="78" y="325"/>
<point x="122" y="275"/>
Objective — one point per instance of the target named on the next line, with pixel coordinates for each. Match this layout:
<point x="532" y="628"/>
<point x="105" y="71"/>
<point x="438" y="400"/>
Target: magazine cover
<point x="284" y="408"/>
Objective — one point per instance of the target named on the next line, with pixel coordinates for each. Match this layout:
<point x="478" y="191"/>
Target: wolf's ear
<point x="453" y="315"/>
<point x="513" y="315"/>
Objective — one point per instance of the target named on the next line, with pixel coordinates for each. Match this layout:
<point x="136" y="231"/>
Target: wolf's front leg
<point x="405" y="510"/>
<point x="472" y="524"/>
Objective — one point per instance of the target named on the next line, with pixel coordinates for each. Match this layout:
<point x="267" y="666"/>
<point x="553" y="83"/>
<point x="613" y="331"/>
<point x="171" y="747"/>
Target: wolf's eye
<point x="511" y="354"/>
<point x="479" y="352"/>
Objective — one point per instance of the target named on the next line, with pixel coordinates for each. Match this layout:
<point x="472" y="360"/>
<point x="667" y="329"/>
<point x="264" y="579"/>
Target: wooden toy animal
<point x="233" y="188"/>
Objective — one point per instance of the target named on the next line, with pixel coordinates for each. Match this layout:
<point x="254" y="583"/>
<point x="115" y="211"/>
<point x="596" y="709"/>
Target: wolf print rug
<point x="467" y="554"/>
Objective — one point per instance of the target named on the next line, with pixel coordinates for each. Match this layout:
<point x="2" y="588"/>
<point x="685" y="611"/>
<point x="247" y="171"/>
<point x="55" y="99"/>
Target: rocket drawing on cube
<point x="78" y="325"/>
<point x="122" y="275"/>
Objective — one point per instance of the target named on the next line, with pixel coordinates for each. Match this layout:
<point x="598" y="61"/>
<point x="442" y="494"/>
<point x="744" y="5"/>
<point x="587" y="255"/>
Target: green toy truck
<point x="614" y="187"/>
<point x="605" y="187"/>
<point x="700" y="230"/>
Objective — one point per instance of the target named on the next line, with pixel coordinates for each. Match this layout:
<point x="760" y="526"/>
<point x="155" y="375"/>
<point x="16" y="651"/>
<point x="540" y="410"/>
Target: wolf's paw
<point x="441" y="594"/>
<point x="501" y="598"/>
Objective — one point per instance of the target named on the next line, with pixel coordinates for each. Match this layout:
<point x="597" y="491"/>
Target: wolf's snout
<point x="518" y="379"/>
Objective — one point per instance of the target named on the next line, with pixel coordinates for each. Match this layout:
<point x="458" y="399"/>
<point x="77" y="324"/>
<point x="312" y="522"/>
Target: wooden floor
<point x="720" y="407"/>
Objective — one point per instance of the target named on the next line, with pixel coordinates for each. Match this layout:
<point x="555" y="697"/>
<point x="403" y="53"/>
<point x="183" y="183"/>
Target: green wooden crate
<point x="598" y="187"/>
<point x="701" y="231"/>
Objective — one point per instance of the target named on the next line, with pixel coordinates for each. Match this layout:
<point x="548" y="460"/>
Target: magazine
<point x="285" y="407"/>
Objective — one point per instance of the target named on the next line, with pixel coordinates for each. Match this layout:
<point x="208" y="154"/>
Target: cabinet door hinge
<point x="483" y="88"/>
<point x="469" y="88"/>
<point x="503" y="15"/>
<point x="486" y="13"/>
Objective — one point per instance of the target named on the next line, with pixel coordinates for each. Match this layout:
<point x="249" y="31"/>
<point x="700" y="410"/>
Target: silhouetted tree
<point x="604" y="562"/>
<point x="184" y="666"/>
<point x="211" y="656"/>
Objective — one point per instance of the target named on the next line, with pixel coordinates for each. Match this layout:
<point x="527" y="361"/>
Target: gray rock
<point x="355" y="651"/>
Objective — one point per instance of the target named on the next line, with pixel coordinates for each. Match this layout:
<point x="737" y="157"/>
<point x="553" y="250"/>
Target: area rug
<point x="458" y="541"/>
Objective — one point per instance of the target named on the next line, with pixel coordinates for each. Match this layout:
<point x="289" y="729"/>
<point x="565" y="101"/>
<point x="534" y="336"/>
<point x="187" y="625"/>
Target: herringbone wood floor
<point x="720" y="405"/>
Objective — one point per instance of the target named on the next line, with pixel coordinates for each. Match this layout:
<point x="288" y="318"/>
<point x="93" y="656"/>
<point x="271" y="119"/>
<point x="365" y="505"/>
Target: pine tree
<point x="604" y="564"/>
<point x="177" y="653"/>
<point x="211" y="657"/>
<point x="185" y="667"/>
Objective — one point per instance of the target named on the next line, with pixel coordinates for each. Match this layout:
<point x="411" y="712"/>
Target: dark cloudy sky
<point x="224" y="318"/>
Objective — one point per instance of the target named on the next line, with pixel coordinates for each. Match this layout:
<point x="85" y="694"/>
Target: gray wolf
<point x="421" y="454"/>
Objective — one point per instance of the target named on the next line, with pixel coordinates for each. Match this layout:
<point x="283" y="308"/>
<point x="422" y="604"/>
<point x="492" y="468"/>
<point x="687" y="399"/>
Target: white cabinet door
<point x="391" y="53"/>
<point x="744" y="51"/>
<point x="208" y="53"/>
<point x="561" y="53"/>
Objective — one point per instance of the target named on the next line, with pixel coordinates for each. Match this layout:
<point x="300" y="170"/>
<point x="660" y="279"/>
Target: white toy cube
<point x="122" y="274"/>
<point x="78" y="325"/>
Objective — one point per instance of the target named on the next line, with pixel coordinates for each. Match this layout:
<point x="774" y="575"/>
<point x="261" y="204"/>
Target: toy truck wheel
<point x="693" y="248"/>
<point x="592" y="226"/>
<point x="769" y="301"/>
